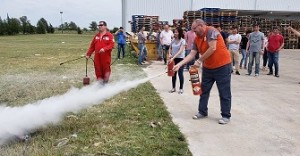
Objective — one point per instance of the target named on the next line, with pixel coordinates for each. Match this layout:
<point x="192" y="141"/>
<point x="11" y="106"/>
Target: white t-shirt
<point x="166" y="37"/>
<point x="234" y="37"/>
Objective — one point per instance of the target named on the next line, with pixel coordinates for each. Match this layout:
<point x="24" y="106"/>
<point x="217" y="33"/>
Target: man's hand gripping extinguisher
<point x="195" y="80"/>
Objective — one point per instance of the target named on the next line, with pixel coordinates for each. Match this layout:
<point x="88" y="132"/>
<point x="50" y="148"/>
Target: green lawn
<point x="30" y="71"/>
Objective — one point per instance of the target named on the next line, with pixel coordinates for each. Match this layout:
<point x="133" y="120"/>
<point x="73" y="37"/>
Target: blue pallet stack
<point x="228" y="19"/>
<point x="137" y="21"/>
<point x="211" y="15"/>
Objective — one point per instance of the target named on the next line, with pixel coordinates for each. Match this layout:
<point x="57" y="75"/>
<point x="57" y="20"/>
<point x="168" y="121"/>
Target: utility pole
<point x="62" y="26"/>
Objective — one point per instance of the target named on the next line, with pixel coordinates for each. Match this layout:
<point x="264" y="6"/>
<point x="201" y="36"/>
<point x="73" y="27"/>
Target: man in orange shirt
<point x="217" y="68"/>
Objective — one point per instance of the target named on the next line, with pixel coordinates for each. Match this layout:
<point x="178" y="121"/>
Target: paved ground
<point x="265" y="112"/>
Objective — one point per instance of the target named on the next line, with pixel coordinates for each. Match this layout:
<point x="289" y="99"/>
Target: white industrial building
<point x="167" y="10"/>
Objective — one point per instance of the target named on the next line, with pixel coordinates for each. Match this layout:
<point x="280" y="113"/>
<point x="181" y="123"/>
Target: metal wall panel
<point x="225" y="4"/>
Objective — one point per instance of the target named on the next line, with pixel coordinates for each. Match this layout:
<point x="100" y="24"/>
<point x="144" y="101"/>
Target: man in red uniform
<point x="102" y="45"/>
<point x="276" y="43"/>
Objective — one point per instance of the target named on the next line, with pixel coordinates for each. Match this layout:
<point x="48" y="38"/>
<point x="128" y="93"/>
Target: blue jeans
<point x="143" y="52"/>
<point x="165" y="49"/>
<point x="273" y="59"/>
<point x="121" y="47"/>
<point x="244" y="58"/>
<point x="222" y="76"/>
<point x="252" y="56"/>
<point x="158" y="46"/>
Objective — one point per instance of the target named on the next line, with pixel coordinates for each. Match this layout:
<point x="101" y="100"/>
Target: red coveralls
<point x="102" y="60"/>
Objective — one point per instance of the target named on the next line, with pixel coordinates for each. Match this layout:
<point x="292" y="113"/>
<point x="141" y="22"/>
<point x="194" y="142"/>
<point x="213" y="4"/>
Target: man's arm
<point x="91" y="48"/>
<point x="294" y="31"/>
<point x="187" y="59"/>
<point x="282" y="44"/>
<point x="212" y="48"/>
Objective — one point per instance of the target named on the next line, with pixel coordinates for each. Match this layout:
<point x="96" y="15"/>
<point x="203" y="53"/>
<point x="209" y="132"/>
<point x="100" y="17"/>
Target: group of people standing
<point x="252" y="46"/>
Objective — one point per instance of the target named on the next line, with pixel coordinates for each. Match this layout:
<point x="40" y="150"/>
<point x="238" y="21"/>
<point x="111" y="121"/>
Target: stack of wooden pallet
<point x="228" y="19"/>
<point x="142" y="20"/>
<point x="189" y="17"/>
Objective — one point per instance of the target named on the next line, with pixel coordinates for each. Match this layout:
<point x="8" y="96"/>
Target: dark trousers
<point x="273" y="59"/>
<point x="265" y="57"/>
<point x="222" y="76"/>
<point x="121" y="47"/>
<point x="180" y="74"/>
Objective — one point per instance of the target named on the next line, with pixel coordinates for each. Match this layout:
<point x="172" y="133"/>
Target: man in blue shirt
<point x="121" y="41"/>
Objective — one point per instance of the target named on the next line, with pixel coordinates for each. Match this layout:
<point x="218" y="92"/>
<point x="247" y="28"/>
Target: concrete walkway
<point x="265" y="112"/>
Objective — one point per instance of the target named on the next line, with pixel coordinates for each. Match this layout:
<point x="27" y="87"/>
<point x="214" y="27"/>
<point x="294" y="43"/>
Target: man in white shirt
<point x="166" y="37"/>
<point x="234" y="40"/>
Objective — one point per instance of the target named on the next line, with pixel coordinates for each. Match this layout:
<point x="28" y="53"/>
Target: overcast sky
<point x="82" y="12"/>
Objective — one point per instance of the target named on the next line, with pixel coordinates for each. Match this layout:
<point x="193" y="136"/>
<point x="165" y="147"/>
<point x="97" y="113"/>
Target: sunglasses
<point x="100" y="25"/>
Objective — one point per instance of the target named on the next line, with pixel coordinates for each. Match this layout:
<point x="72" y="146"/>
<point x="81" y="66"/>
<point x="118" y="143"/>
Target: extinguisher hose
<point x="86" y="63"/>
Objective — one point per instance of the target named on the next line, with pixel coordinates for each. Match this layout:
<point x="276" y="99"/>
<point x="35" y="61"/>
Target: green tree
<point x="85" y="29"/>
<point x="72" y="26"/>
<point x="30" y="28"/>
<point x="14" y="26"/>
<point x="51" y="29"/>
<point x="115" y="29"/>
<point x="93" y="26"/>
<point x="45" y="23"/>
<point x="40" y="27"/>
<point x="79" y="31"/>
<point x="2" y="31"/>
<point x="23" y="20"/>
<point x="66" y="26"/>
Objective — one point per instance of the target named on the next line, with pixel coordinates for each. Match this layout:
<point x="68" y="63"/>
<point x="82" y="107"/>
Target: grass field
<point x="30" y="71"/>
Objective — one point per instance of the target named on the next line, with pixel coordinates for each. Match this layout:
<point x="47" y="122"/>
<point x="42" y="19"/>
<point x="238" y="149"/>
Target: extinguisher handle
<point x="86" y="62"/>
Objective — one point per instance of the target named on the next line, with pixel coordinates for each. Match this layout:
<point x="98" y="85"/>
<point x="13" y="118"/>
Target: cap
<point x="121" y="27"/>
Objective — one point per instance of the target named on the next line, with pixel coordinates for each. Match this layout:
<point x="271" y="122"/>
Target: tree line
<point x="14" y="26"/>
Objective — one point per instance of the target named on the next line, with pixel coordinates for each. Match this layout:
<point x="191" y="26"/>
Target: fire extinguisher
<point x="170" y="68"/>
<point x="86" y="79"/>
<point x="196" y="84"/>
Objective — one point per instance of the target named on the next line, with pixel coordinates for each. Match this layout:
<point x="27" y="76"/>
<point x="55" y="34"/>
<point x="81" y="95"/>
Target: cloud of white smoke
<point x="16" y="121"/>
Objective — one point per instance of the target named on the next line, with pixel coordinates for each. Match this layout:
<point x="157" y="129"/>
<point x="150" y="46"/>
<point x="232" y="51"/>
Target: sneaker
<point x="237" y="73"/>
<point x="224" y="121"/>
<point x="180" y="91"/>
<point x="270" y="73"/>
<point x="256" y="75"/>
<point x="199" y="116"/>
<point x="172" y="90"/>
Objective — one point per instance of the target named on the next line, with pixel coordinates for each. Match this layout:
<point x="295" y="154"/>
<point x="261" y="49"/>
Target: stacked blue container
<point x="211" y="15"/>
<point x="137" y="21"/>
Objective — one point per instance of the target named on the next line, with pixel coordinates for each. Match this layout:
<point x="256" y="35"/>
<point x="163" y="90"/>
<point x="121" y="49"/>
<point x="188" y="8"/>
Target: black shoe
<point x="276" y="75"/>
<point x="270" y="73"/>
<point x="237" y="73"/>
<point x="248" y="74"/>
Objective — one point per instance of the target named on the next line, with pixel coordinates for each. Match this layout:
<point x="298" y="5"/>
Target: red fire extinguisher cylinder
<point x="170" y="68"/>
<point x="195" y="80"/>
